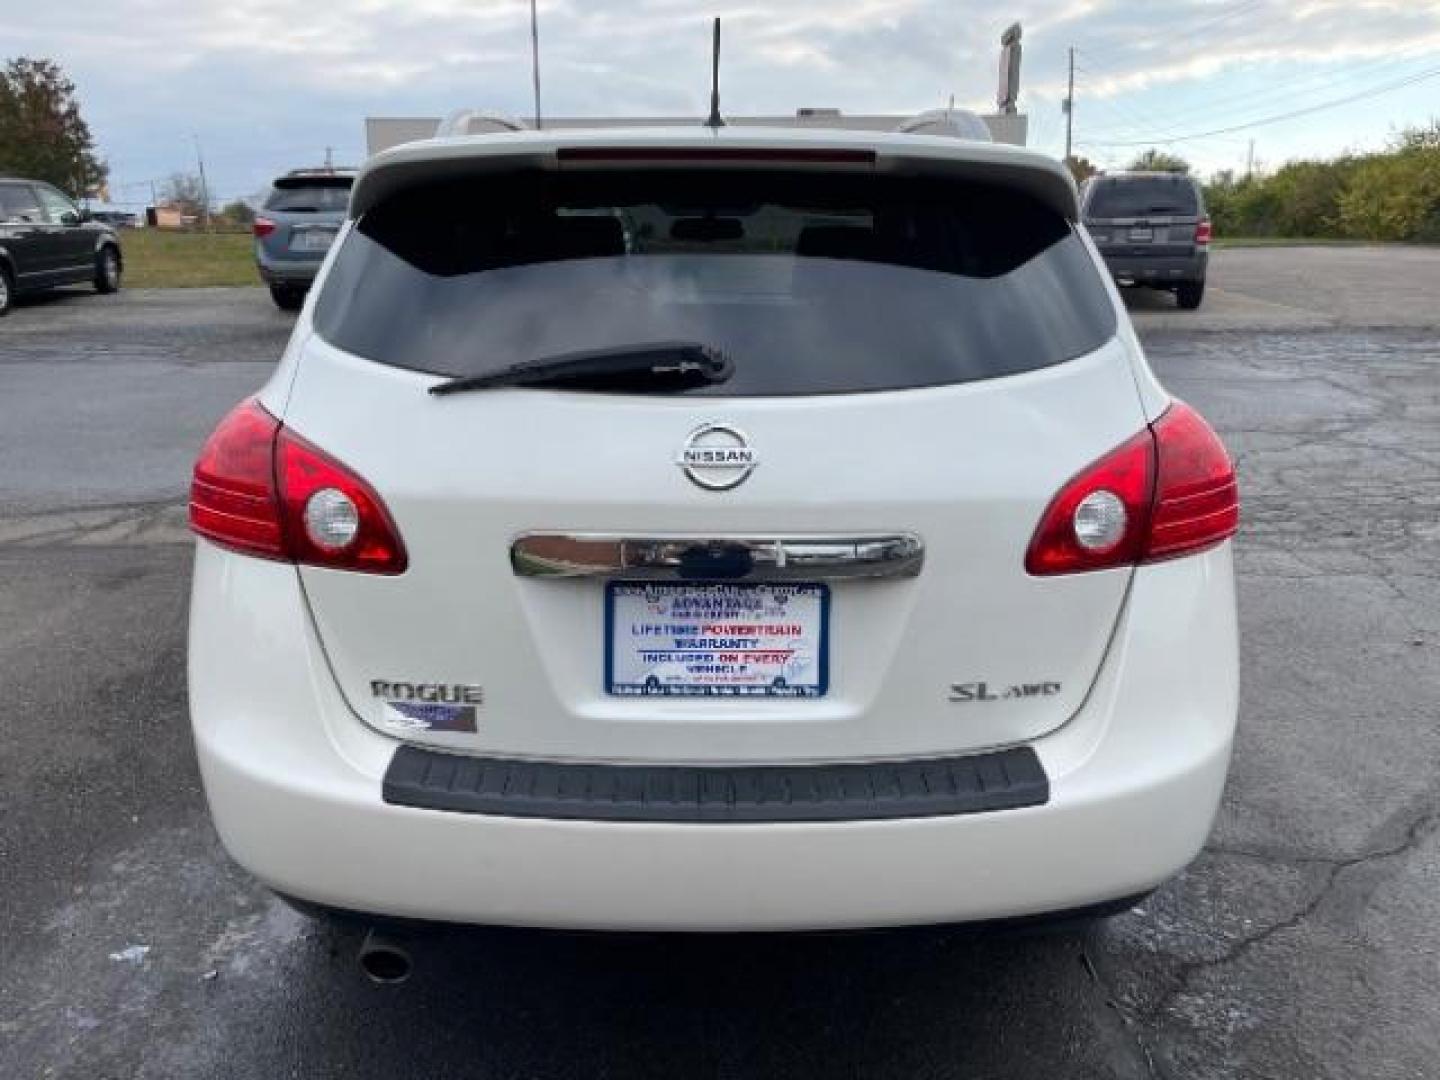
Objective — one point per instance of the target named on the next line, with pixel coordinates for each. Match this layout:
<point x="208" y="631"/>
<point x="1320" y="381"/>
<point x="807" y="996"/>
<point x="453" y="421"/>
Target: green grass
<point x="157" y="259"/>
<point x="1286" y="241"/>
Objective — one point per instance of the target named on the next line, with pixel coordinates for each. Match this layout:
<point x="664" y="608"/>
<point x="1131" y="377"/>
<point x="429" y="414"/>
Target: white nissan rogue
<point x="713" y="530"/>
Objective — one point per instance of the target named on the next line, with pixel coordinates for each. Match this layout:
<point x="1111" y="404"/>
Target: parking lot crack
<point x="121" y="524"/>
<point x="1130" y="1025"/>
<point x="1331" y="873"/>
<point x="1241" y="947"/>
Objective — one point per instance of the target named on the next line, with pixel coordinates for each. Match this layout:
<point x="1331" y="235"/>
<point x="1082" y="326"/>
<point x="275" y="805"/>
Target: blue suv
<point x="293" y="231"/>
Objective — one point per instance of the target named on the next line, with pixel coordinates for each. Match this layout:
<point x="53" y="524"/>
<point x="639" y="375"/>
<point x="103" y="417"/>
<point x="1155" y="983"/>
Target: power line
<point x="1129" y="122"/>
<point x="1244" y="8"/>
<point x="1293" y="114"/>
<point x="1214" y="109"/>
<point x="1180" y="27"/>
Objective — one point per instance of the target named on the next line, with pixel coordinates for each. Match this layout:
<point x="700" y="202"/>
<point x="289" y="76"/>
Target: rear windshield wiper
<point x="648" y="367"/>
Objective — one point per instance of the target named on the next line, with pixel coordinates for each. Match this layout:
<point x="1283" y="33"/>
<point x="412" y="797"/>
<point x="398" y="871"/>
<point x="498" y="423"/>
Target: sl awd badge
<point x="717" y="457"/>
<point x="983" y="691"/>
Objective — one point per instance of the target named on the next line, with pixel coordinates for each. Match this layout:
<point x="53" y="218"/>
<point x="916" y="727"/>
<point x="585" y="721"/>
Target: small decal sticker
<point x="426" y="716"/>
<point x="428" y="706"/>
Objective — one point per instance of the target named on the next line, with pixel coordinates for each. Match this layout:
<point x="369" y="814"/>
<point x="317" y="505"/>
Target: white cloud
<point x="268" y="81"/>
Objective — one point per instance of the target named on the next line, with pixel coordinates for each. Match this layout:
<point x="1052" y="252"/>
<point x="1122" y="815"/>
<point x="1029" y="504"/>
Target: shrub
<point x="1393" y="195"/>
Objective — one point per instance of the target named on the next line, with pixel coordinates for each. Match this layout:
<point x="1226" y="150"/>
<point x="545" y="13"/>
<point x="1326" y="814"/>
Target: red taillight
<point x="1202" y="232"/>
<point x="261" y="489"/>
<point x="1167" y="492"/>
<point x="1197" y="502"/>
<point x="262" y="227"/>
<point x="232" y="493"/>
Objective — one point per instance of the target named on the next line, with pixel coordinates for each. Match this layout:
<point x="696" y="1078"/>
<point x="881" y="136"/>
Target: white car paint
<point x="293" y="780"/>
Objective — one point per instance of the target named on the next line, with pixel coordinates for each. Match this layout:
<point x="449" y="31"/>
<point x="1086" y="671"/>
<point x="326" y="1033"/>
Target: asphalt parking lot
<point x="1305" y="941"/>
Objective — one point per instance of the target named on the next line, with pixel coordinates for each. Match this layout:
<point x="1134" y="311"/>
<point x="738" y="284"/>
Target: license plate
<point x="312" y="240"/>
<point x="1144" y="235"/>
<point x="734" y="640"/>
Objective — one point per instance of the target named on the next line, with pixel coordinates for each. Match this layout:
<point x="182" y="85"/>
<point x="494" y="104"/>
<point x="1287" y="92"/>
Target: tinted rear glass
<point x="18" y="202"/>
<point x="332" y="193"/>
<point x="1143" y="196"/>
<point x="812" y="283"/>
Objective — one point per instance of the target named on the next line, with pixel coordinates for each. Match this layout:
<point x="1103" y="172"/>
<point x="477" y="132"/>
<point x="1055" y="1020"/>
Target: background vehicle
<point x="559" y="389"/>
<point x="46" y="240"/>
<point x="121" y="219"/>
<point x="295" y="228"/>
<point x="1152" y="230"/>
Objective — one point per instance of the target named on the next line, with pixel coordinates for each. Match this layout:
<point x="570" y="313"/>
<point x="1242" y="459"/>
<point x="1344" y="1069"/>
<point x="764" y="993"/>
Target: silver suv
<point x="1152" y="230"/>
<point x="302" y="214"/>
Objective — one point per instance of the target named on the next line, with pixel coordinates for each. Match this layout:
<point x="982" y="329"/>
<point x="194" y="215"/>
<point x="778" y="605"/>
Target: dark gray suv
<point x="46" y="240"/>
<point x="300" y="219"/>
<point x="1152" y="230"/>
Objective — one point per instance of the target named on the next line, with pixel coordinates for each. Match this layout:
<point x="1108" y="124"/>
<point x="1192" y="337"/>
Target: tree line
<point x="1390" y="195"/>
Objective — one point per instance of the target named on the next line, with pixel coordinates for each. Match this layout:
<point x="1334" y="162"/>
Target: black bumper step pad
<point x="868" y="791"/>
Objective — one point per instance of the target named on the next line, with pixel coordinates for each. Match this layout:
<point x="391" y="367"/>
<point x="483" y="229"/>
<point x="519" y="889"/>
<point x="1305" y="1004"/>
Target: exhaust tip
<point x="384" y="961"/>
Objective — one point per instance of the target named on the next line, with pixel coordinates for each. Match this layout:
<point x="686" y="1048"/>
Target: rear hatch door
<point x="913" y="360"/>
<point x="307" y="212"/>
<point x="1149" y="215"/>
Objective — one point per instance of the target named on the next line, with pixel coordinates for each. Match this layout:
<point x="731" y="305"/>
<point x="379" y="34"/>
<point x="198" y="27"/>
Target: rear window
<point x="18" y="202"/>
<point x="812" y="283"/>
<point x="1143" y="196"/>
<point x="313" y="195"/>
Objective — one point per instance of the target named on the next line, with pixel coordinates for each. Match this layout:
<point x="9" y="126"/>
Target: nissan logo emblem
<point x="717" y="457"/>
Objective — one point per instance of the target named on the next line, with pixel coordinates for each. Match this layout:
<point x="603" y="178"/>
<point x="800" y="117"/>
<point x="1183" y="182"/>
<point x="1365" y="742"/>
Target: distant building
<point x="166" y="217"/>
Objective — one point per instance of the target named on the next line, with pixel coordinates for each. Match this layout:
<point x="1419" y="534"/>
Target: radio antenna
<point x="715" y="121"/>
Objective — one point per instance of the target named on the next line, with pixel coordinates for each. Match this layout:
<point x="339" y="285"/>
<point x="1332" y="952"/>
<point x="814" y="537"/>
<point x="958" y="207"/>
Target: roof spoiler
<point x="1038" y="175"/>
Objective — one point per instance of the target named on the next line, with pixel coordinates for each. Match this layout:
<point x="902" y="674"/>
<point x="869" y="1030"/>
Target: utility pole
<point x="329" y="159"/>
<point x="1250" y="161"/>
<point x="204" y="185"/>
<point x="1070" y="107"/>
<point x="535" y="58"/>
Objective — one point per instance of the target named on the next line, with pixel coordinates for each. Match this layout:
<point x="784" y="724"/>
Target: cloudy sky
<point x="268" y="84"/>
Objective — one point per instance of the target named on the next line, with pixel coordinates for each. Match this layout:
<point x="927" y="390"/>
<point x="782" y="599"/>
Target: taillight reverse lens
<point x="331" y="516"/>
<point x="1167" y="492"/>
<point x="1121" y="481"/>
<point x="261" y="489"/>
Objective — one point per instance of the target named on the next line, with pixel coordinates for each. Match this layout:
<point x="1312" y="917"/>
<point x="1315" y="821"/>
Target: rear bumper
<point x="1157" y="270"/>
<point x="299" y="272"/>
<point x="294" y="783"/>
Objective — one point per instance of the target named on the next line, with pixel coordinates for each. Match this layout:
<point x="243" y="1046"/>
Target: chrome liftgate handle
<point x="739" y="558"/>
